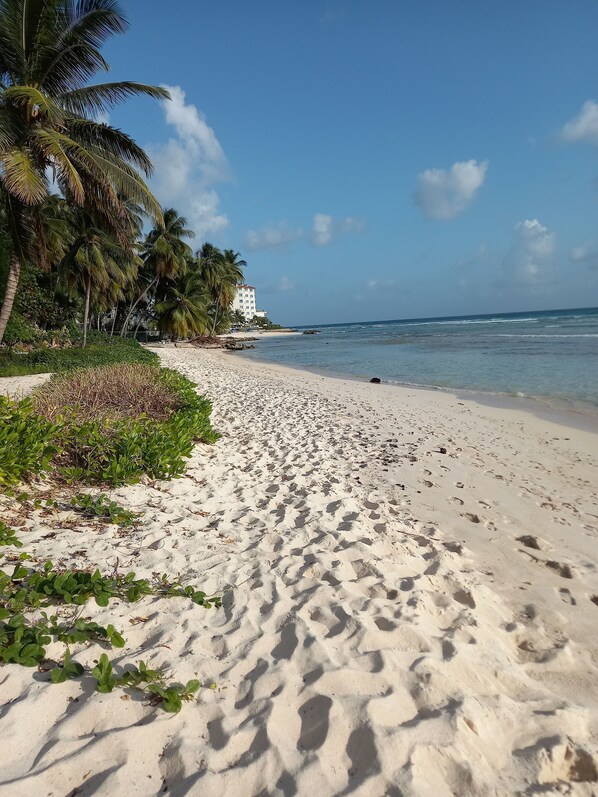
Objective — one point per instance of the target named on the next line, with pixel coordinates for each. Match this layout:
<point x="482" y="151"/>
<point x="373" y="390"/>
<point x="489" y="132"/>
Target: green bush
<point x="19" y="330"/>
<point x="100" y="350"/>
<point x="119" y="451"/>
<point x="27" y="442"/>
<point x="106" y="450"/>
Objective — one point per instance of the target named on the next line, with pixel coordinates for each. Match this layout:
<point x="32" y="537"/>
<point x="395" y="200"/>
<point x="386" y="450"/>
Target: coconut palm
<point x="183" y="312"/>
<point x="220" y="271"/>
<point x="49" y="50"/>
<point x="96" y="265"/>
<point x="165" y="256"/>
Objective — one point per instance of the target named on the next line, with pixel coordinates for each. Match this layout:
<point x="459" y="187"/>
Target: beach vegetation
<point x="183" y="313"/>
<point x="8" y="536"/>
<point x="48" y="358"/>
<point x="164" y="259"/>
<point x="100" y="507"/>
<point x="28" y="442"/>
<point x="109" y="425"/>
<point x="24" y="640"/>
<point x="48" y="127"/>
<point x="74" y="202"/>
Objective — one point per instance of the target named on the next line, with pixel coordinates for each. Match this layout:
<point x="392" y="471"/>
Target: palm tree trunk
<point x="215" y="316"/>
<point x="123" y="331"/>
<point x="114" y="321"/>
<point x="86" y="313"/>
<point x="14" y="271"/>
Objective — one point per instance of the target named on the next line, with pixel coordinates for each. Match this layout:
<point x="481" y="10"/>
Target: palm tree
<point x="165" y="255"/>
<point x="96" y="265"/>
<point x="221" y="271"/>
<point x="184" y="310"/>
<point x="49" y="50"/>
<point x="232" y="276"/>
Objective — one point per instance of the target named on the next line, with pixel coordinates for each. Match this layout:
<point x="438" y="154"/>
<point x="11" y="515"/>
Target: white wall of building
<point x="245" y="301"/>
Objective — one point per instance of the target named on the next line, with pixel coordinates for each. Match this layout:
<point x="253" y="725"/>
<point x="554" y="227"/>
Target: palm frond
<point x="110" y="139"/>
<point x="127" y="182"/>
<point x="53" y="148"/>
<point x="9" y="129"/>
<point x="73" y="57"/>
<point x="21" y="176"/>
<point x="89" y="100"/>
<point x="38" y="104"/>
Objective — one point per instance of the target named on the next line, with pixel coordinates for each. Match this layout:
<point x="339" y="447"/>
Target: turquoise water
<point x="548" y="354"/>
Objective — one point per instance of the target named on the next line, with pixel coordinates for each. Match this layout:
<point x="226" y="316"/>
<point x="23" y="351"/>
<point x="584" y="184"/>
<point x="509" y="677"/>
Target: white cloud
<point x="351" y="224"/>
<point x="272" y="236"/>
<point x="189" y="165"/>
<point x="529" y="261"/>
<point x="586" y="253"/>
<point x="585" y="125"/>
<point x="382" y="284"/>
<point x="324" y="229"/>
<point x="208" y="219"/>
<point x="443" y="194"/>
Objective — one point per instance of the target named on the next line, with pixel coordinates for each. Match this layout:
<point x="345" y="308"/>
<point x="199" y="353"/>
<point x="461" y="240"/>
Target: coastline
<point x="409" y="583"/>
<point x="577" y="415"/>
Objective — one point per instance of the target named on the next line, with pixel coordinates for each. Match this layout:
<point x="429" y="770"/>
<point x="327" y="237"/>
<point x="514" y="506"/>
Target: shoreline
<point x="582" y="418"/>
<point x="410" y="595"/>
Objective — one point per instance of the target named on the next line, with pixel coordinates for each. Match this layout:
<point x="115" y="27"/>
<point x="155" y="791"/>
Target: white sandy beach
<point x="410" y="604"/>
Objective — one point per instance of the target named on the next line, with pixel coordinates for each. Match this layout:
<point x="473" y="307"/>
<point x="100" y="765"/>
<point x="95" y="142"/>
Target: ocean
<point x="550" y="355"/>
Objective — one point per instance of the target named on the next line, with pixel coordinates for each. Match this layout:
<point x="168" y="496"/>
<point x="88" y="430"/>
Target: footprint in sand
<point x="314" y="715"/>
<point x="566" y="596"/>
<point x="562" y="569"/>
<point x="529" y="541"/>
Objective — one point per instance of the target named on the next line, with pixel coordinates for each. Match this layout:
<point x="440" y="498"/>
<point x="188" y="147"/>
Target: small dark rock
<point x="375" y="380"/>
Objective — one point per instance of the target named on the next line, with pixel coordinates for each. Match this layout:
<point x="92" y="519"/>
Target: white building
<point x="245" y="301"/>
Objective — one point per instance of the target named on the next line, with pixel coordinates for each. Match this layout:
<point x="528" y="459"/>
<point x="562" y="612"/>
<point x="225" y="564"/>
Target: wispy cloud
<point x="586" y="254"/>
<point x="272" y="236"/>
<point x="584" y="127"/>
<point x="189" y="165"/>
<point x="326" y="228"/>
<point x="376" y="284"/>
<point x="323" y="231"/>
<point x="529" y="261"/>
<point x="444" y="194"/>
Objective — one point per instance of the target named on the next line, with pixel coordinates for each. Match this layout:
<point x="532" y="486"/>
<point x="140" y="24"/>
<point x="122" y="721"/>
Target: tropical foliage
<point x="83" y="242"/>
<point x="49" y="50"/>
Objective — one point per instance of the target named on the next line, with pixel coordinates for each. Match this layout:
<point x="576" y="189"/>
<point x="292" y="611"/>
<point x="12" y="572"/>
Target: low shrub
<point x="117" y="391"/>
<point x="28" y="442"/>
<point x="19" y="330"/>
<point x="100" y="350"/>
<point x="112" y="439"/>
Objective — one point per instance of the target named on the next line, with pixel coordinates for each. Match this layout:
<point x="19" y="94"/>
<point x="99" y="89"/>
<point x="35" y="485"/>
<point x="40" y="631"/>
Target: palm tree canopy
<point x="49" y="50"/>
<point x="183" y="312"/>
<point x="166" y="253"/>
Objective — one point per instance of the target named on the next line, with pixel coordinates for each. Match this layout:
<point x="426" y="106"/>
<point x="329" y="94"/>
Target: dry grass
<point x="112" y="391"/>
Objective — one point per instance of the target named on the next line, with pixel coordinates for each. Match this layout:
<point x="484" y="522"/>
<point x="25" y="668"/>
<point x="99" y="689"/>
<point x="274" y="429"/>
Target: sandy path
<point x="383" y="631"/>
<point x="19" y="386"/>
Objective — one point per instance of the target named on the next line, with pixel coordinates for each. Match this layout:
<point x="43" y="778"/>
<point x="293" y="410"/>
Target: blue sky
<point x="378" y="160"/>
